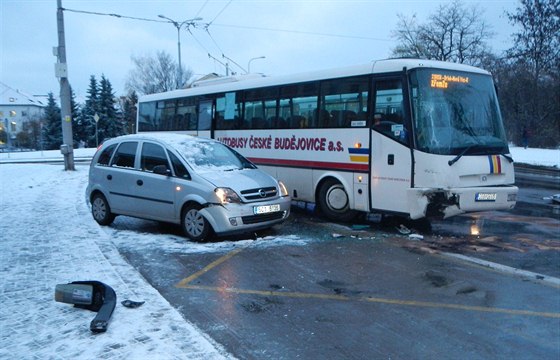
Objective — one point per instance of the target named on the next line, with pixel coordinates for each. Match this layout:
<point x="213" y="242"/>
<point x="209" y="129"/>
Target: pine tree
<point x="78" y="131"/>
<point x="52" y="126"/>
<point x="109" y="124"/>
<point x="130" y="111"/>
<point x="90" y="108"/>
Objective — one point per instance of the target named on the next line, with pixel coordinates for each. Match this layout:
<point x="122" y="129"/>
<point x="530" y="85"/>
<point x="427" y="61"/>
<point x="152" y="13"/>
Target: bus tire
<point x="334" y="202"/>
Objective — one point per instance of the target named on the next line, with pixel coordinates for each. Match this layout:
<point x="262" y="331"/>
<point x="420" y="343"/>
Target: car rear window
<point x="106" y="154"/>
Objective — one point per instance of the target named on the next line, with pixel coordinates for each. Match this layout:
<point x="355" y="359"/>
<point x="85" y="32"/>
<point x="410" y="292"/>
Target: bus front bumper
<point x="444" y="203"/>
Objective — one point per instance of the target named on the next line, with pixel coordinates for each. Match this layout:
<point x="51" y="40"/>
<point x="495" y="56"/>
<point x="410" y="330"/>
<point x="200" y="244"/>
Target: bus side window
<point x="341" y="102"/>
<point x="298" y="105"/>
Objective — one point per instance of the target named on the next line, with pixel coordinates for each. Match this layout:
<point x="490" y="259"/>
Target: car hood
<point x="240" y="180"/>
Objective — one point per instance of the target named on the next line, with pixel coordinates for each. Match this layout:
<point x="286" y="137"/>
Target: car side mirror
<point x="162" y="170"/>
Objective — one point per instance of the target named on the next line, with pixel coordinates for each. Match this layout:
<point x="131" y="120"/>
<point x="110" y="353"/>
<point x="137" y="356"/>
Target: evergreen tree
<point x="90" y="108"/>
<point x="130" y="111"/>
<point x="78" y="130"/>
<point x="109" y="124"/>
<point x="52" y="126"/>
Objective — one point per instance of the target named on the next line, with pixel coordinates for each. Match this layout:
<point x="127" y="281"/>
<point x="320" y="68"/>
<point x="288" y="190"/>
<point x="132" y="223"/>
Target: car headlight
<point x="283" y="188"/>
<point x="227" y="195"/>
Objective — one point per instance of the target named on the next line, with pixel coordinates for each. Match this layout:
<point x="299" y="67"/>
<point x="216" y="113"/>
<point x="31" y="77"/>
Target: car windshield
<point x="212" y="156"/>
<point x="456" y="113"/>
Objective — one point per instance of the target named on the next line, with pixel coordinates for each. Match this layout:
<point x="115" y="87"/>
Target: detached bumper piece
<point x="91" y="295"/>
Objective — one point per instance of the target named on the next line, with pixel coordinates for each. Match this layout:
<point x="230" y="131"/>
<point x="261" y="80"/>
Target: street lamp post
<point x="249" y="64"/>
<point x="179" y="25"/>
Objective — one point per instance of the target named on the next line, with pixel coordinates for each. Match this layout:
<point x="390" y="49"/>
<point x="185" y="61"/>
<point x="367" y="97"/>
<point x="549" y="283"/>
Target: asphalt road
<point x="364" y="291"/>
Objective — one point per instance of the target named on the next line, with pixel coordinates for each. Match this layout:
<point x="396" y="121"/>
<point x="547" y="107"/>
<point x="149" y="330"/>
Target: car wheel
<point x="195" y="226"/>
<point x="334" y="202"/>
<point x="100" y="210"/>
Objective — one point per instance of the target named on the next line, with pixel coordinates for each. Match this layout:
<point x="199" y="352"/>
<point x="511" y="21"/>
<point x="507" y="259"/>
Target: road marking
<point x="186" y="281"/>
<point x="425" y="304"/>
<point x="549" y="280"/>
<point x="185" y="284"/>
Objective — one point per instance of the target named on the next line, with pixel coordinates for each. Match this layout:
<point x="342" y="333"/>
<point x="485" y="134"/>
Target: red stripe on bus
<point x="311" y="164"/>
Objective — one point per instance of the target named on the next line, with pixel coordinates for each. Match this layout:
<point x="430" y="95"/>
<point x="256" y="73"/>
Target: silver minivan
<point x="199" y="183"/>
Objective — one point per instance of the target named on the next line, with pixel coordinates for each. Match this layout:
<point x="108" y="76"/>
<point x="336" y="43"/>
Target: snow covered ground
<point x="48" y="237"/>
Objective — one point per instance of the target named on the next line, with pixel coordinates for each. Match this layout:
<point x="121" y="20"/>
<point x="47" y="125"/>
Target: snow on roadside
<point x="49" y="238"/>
<point x="533" y="156"/>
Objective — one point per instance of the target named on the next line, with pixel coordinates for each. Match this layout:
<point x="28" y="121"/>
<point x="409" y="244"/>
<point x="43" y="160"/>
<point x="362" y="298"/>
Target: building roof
<point x="10" y="96"/>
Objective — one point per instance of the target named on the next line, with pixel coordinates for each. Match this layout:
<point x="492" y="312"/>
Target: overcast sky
<point x="293" y="35"/>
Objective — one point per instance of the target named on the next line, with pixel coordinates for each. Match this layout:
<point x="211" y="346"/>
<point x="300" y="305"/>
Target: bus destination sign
<point x="440" y="81"/>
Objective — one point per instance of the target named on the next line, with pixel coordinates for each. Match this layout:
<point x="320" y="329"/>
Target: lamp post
<point x="179" y="25"/>
<point x="249" y="64"/>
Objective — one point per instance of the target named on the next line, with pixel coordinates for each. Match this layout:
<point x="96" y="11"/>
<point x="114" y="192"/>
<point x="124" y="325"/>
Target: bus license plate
<point x="264" y="209"/>
<point x="486" y="197"/>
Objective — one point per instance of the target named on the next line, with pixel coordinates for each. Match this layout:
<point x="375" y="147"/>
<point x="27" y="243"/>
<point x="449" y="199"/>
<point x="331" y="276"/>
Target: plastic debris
<point x="403" y="229"/>
<point x="132" y="304"/>
<point x="415" y="237"/>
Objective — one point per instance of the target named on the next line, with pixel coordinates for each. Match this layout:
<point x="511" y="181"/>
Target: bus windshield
<point x="456" y="113"/>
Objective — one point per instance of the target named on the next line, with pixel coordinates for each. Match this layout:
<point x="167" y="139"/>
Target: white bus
<point x="417" y="138"/>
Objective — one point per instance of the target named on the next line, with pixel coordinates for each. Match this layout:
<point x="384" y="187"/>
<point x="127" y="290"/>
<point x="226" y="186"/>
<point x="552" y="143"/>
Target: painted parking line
<point x="185" y="284"/>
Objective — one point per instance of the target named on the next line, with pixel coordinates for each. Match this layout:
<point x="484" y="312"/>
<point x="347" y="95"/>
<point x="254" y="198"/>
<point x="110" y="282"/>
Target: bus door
<point x="391" y="162"/>
<point x="205" y="112"/>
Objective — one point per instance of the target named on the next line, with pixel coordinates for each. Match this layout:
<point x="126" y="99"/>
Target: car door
<point x="120" y="178"/>
<point x="154" y="192"/>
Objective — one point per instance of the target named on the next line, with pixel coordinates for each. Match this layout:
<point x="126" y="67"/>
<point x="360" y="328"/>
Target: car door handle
<point x="139" y="182"/>
<point x="109" y="177"/>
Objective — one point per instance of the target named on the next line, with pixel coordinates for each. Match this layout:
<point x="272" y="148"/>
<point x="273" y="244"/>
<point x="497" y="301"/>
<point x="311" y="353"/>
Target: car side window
<point x="180" y="169"/>
<point x="152" y="156"/>
<point x="125" y="155"/>
<point x="106" y="154"/>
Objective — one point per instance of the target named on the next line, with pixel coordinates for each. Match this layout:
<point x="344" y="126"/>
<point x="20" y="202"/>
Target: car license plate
<point x="486" y="197"/>
<point x="264" y="209"/>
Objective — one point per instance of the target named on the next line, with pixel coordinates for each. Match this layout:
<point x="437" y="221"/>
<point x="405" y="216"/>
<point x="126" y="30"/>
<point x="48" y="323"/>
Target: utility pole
<point x="61" y="72"/>
<point x="178" y="25"/>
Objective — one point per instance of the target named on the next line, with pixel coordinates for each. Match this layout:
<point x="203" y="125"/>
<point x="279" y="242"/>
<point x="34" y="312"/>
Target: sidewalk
<point x="49" y="238"/>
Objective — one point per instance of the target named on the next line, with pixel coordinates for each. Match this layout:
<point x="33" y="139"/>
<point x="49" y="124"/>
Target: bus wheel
<point x="334" y="202"/>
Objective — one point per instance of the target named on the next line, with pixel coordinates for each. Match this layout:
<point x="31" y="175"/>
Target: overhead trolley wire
<point x="201" y="8"/>
<point x="113" y="15"/>
<point x="220" y="13"/>
<point x="297" y="32"/>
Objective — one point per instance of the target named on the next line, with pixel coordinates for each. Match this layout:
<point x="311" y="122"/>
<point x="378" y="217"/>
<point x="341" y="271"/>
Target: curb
<point x="507" y="269"/>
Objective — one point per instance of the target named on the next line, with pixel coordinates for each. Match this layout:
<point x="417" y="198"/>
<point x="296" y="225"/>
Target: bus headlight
<point x="227" y="195"/>
<point x="283" y="188"/>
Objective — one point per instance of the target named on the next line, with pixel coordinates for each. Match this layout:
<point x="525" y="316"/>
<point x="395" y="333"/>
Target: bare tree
<point x="453" y="33"/>
<point x="529" y="77"/>
<point x="153" y="74"/>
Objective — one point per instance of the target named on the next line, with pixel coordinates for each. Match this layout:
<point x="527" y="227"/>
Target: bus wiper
<point x="460" y="155"/>
<point x="509" y="158"/>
